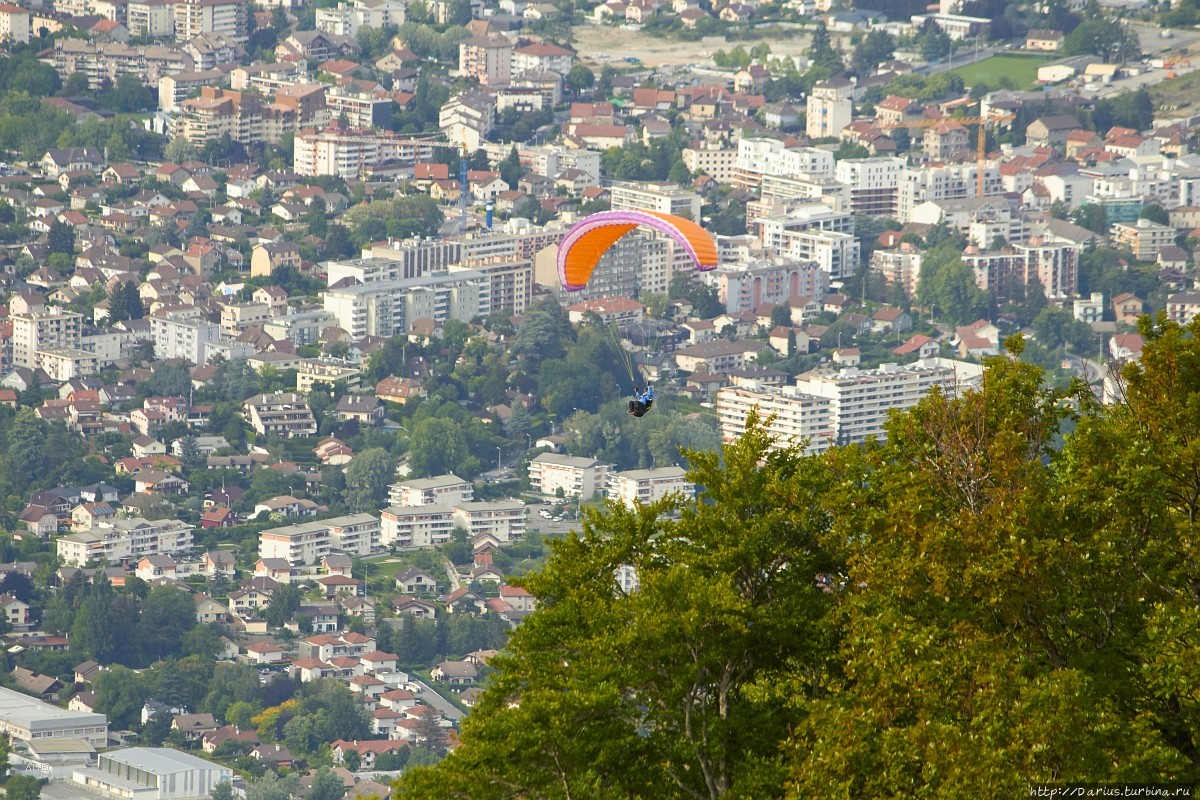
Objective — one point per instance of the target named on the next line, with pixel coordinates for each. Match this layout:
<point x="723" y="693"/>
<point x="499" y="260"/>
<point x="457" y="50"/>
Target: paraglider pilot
<point x="642" y="401"/>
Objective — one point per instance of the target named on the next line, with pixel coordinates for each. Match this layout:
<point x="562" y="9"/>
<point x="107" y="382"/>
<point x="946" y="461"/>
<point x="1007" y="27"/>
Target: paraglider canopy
<point x="590" y="238"/>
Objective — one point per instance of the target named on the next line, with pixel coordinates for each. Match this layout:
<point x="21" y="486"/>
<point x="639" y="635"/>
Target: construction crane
<point x="981" y="148"/>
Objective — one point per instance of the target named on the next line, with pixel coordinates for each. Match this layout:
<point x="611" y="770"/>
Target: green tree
<point x="283" y="604"/>
<point x="624" y="718"/>
<point x="272" y="787"/>
<point x="580" y="78"/>
<point x="168" y="613"/>
<point x="437" y="446"/>
<point x="876" y="47"/>
<point x="23" y="787"/>
<point x="368" y="477"/>
<point x="61" y="238"/>
<point x="326" y="786"/>
<point x="120" y="695"/>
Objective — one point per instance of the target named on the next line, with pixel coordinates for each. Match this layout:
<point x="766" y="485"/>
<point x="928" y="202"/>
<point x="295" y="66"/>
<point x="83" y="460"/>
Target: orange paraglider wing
<point x="590" y="238"/>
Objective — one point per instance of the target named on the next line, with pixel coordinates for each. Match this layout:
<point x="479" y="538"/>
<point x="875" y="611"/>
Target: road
<point x="444" y="706"/>
<point x="452" y="574"/>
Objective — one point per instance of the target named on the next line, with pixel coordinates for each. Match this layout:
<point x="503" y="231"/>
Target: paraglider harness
<point x="642" y="401"/>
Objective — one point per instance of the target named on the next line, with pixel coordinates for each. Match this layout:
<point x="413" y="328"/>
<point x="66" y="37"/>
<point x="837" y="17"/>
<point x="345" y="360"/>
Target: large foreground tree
<point x="1004" y="592"/>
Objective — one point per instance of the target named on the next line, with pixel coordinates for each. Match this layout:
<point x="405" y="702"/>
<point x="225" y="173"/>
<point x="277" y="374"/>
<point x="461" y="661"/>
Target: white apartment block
<point x="308" y="542"/>
<point x="355" y="534"/>
<point x="787" y="189"/>
<point x="68" y="363"/>
<point x="226" y="17"/>
<point x="647" y="486"/>
<point x="396" y="259"/>
<point x="187" y="339"/>
<point x="829" y="109"/>
<point x="510" y="280"/>
<point x="799" y="418"/>
<point x="14" y="23"/>
<point x="357" y="109"/>
<point x="774" y="230"/>
<point x="388" y="308"/>
<point x="447" y="490"/>
<point x="152" y="18"/>
<point x="347" y="18"/>
<point x="874" y="183"/>
<point x="547" y="159"/>
<point x="861" y="399"/>
<point x="283" y="413"/>
<point x="715" y="162"/>
<point x="758" y="158"/>
<point x="502" y="519"/>
<point x="665" y="198"/>
<point x="174" y="89"/>
<point x="576" y="477"/>
<point x="50" y="329"/>
<point x="417" y="526"/>
<point x="124" y="540"/>
<point x="947" y="182"/>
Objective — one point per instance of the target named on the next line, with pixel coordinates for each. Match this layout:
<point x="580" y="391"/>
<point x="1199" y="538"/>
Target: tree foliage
<point x="1003" y="592"/>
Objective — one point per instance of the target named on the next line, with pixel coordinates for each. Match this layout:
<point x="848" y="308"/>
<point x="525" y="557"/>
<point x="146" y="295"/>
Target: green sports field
<point x="1020" y="69"/>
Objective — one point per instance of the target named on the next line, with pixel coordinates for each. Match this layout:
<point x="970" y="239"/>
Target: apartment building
<point x="51" y="328"/>
<point x="68" y="363"/>
<point x="219" y="112"/>
<point x="899" y="267"/>
<point x="355" y="534"/>
<point x="283" y="414"/>
<point x="758" y="158"/>
<point x="502" y="519"/>
<point x="943" y="182"/>
<point x="104" y="63"/>
<point x="154" y="19"/>
<point x="348" y="18"/>
<point x="329" y="371"/>
<point x="718" y="357"/>
<point x="798" y="418"/>
<point x="861" y="399"/>
<point x="426" y="525"/>
<point x="541" y="57"/>
<point x="874" y="183"/>
<point x="1053" y="264"/>
<point x="174" y="89"/>
<point x="395" y="260"/>
<point x="716" y="162"/>
<point x="123" y="540"/>
<point x="785" y="189"/>
<point x="226" y="17"/>
<point x="307" y="543"/>
<point x="1144" y="238"/>
<point x="774" y="280"/>
<point x="357" y="109"/>
<point x="387" y="308"/>
<point x="446" y="490"/>
<point x="1182" y="307"/>
<point x="665" y="198"/>
<point x="180" y="337"/>
<point x="488" y="59"/>
<point x="468" y="118"/>
<point x="830" y="108"/>
<point x="548" y="159"/>
<point x="575" y="477"/>
<point x="775" y="231"/>
<point x="14" y="23"/>
<point x="510" y="280"/>
<point x="647" y="486"/>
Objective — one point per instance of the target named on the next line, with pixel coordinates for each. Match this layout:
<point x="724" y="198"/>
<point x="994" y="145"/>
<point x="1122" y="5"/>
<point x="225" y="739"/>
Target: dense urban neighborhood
<point x="317" y="482"/>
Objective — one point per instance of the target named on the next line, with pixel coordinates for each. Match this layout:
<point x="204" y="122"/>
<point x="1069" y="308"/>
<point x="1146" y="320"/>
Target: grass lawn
<point x="1020" y="69"/>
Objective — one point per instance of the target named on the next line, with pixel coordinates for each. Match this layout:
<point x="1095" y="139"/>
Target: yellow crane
<point x="981" y="150"/>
